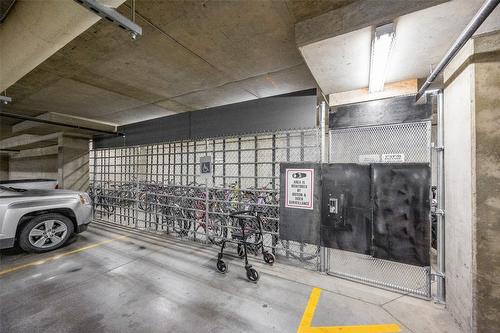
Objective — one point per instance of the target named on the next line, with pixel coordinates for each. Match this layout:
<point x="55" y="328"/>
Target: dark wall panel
<point x="384" y="111"/>
<point x="284" y="112"/>
<point x="260" y="115"/>
<point x="157" y="130"/>
<point x="346" y="187"/>
<point x="401" y="212"/>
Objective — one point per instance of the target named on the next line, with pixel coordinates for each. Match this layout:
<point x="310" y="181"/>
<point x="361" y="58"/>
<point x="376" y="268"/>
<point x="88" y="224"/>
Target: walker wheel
<point x="221" y="266"/>
<point x="252" y="275"/>
<point x="241" y="251"/>
<point x="269" y="258"/>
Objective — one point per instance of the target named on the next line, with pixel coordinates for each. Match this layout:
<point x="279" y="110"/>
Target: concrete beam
<point x="394" y="89"/>
<point x="28" y="141"/>
<point x="34" y="30"/>
<point x="35" y="152"/>
<point x="31" y="127"/>
<point x="358" y="15"/>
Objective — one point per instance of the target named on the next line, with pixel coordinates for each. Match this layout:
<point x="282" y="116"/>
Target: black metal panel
<point x="171" y="128"/>
<point x="401" y="212"/>
<point x="346" y="218"/>
<point x="384" y="111"/>
<point x="301" y="225"/>
<point x="107" y="141"/>
<point x="260" y="115"/>
<point x="291" y="111"/>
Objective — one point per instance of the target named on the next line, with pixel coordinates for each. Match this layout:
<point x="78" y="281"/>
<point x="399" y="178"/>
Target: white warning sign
<point x="299" y="188"/>
<point x="393" y="158"/>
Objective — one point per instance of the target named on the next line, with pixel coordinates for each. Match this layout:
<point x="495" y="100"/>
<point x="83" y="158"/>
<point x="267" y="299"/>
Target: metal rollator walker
<point x="247" y="234"/>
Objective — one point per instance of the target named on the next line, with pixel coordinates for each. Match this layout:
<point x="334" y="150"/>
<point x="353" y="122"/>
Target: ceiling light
<point x="381" y="49"/>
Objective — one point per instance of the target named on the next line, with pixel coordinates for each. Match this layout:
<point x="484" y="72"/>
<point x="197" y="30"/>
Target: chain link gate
<point x="158" y="187"/>
<point x="346" y="145"/>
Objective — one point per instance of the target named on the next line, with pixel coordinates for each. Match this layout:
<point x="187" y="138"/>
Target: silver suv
<point x="41" y="220"/>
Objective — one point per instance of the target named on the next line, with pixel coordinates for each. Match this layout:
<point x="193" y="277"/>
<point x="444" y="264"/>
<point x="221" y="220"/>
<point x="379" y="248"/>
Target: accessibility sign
<point x="299" y="188"/>
<point x="206" y="166"/>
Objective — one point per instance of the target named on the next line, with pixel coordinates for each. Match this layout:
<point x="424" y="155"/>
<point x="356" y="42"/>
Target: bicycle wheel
<point x="217" y="230"/>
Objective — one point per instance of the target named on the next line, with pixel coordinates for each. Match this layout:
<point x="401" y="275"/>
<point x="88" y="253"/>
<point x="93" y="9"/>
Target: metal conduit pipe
<point x="323" y="113"/>
<point x="469" y="30"/>
<point x="440" y="240"/>
<point x="56" y="123"/>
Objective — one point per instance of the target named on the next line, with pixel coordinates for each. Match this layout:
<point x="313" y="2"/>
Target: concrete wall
<point x="487" y="158"/>
<point x="69" y="164"/>
<point x="74" y="164"/>
<point x="33" y="167"/>
<point x="472" y="177"/>
<point x="458" y="118"/>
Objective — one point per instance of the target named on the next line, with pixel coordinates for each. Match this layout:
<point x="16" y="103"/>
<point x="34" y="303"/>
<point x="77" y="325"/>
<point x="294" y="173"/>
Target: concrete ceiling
<point x="342" y="63"/>
<point x="192" y="55"/>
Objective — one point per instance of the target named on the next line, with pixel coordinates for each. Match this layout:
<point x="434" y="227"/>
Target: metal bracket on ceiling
<point x="5" y="99"/>
<point x="112" y="16"/>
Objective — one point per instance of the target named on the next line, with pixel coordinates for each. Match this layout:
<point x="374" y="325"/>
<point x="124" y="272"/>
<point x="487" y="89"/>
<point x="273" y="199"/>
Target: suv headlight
<point x="85" y="199"/>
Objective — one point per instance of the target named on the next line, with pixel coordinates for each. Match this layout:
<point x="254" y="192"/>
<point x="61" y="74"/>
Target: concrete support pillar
<point x="67" y="161"/>
<point x="75" y="166"/>
<point x="472" y="179"/>
<point x="4" y="167"/>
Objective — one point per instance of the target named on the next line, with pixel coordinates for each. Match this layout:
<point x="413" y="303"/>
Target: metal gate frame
<point x="346" y="144"/>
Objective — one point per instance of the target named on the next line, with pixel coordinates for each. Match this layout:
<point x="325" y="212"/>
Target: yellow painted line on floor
<point x="307" y="317"/>
<point x="60" y="255"/>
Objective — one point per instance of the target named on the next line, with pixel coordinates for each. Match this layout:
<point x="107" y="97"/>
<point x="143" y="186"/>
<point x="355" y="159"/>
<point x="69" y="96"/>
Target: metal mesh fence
<point x="413" y="140"/>
<point x="414" y="280"/>
<point x="159" y="188"/>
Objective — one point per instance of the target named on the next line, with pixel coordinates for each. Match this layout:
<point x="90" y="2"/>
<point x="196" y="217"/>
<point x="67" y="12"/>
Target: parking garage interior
<point x="249" y="166"/>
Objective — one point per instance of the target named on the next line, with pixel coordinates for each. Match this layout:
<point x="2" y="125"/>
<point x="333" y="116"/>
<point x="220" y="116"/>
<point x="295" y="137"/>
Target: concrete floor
<point x="144" y="283"/>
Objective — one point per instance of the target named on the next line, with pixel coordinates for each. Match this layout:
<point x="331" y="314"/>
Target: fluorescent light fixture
<point x="381" y="49"/>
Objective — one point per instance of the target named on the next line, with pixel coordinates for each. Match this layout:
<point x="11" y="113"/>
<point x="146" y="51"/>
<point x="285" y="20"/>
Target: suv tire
<point x="45" y="233"/>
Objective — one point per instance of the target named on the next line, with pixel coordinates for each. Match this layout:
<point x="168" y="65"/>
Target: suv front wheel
<point x="45" y="233"/>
